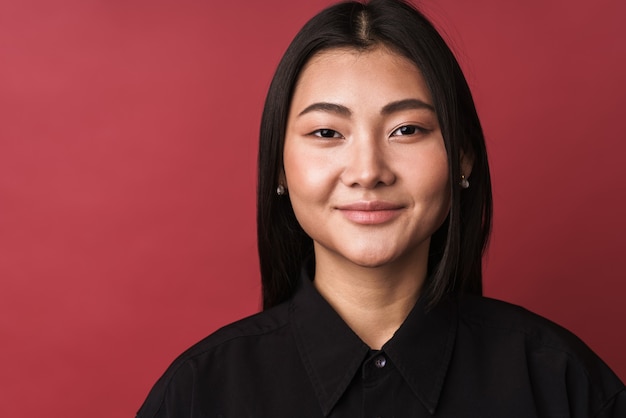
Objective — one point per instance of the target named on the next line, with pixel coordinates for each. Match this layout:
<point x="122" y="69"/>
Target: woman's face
<point x="364" y="160"/>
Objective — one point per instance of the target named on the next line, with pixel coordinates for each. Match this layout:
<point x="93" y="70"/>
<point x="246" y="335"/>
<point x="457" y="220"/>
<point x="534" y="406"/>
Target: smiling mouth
<point x="370" y="212"/>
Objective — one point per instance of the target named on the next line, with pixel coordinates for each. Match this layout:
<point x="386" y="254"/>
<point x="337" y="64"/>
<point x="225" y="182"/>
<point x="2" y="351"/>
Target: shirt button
<point x="380" y="362"/>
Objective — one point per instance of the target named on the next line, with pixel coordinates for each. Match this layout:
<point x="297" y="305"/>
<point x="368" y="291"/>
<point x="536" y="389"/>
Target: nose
<point x="367" y="164"/>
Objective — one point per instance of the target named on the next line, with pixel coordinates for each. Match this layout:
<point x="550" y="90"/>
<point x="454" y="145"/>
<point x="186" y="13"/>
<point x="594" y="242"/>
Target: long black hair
<point x="456" y="248"/>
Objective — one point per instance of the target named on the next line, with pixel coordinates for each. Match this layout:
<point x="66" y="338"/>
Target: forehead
<point x="361" y="73"/>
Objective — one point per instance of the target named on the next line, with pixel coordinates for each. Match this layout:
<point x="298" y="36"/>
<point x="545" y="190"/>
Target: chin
<point x="371" y="260"/>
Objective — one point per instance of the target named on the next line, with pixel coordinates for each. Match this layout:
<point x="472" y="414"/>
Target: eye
<point x="326" y="133"/>
<point x="408" y="130"/>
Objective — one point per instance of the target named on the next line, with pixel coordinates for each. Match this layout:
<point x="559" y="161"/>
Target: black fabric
<point x="467" y="357"/>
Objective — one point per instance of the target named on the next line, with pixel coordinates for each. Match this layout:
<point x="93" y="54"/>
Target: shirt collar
<point x="332" y="353"/>
<point x="422" y="349"/>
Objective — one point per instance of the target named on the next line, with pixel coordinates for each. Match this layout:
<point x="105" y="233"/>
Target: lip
<point x="371" y="212"/>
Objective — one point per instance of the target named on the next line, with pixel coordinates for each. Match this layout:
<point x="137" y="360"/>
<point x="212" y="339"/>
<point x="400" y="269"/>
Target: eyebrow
<point x="400" y="105"/>
<point x="406" y="104"/>
<point x="327" y="107"/>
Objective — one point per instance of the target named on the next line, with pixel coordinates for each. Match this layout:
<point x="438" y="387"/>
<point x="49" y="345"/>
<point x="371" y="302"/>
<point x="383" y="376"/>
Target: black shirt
<point x="467" y="357"/>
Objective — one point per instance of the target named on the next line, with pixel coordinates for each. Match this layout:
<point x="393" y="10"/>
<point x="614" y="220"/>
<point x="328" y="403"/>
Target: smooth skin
<point x="366" y="171"/>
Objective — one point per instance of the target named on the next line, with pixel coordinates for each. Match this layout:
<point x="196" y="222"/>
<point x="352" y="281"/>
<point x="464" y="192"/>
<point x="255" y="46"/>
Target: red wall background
<point x="128" y="137"/>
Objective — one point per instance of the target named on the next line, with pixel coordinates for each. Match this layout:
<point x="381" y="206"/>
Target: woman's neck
<point x="373" y="301"/>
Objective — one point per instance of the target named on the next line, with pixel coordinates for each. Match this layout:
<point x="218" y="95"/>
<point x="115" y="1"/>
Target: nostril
<point x="368" y="171"/>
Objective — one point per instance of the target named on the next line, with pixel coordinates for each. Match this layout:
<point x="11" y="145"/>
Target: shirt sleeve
<point x="575" y="383"/>
<point x="172" y="395"/>
<point x="615" y="407"/>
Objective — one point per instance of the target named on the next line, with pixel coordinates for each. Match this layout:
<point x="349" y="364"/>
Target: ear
<point x="467" y="162"/>
<point x="282" y="179"/>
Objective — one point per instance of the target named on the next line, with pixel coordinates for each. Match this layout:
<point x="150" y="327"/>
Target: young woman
<point x="374" y="208"/>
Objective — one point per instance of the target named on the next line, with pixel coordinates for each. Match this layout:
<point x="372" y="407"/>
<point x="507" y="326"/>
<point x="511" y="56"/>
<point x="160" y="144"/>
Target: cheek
<point x="440" y="189"/>
<point x="306" y="194"/>
<point x="428" y="177"/>
<point x="309" y="181"/>
<point x="307" y="175"/>
<point x="437" y="181"/>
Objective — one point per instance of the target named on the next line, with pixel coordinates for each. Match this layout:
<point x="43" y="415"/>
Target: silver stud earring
<point x="280" y="190"/>
<point x="464" y="183"/>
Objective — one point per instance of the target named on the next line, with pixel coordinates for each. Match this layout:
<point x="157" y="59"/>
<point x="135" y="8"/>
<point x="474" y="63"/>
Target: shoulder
<point x="254" y="327"/>
<point x="496" y="315"/>
<point x="245" y="331"/>
<point x="234" y="344"/>
<point x="555" y="362"/>
<point x="491" y="317"/>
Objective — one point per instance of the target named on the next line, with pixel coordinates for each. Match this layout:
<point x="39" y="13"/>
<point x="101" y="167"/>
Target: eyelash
<point x="415" y="130"/>
<point x="320" y="133"/>
<point x="331" y="133"/>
